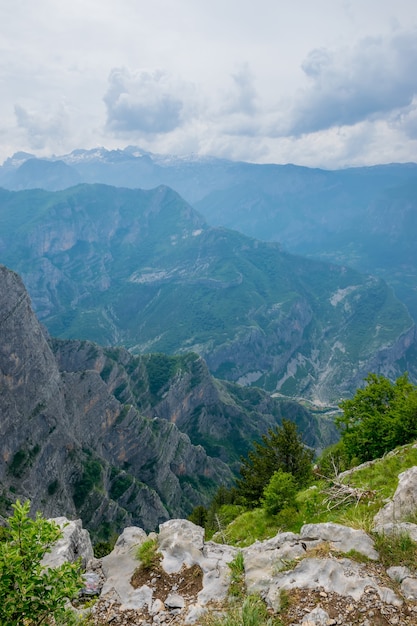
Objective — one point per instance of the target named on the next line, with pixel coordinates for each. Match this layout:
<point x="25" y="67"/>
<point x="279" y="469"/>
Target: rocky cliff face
<point x="223" y="417"/>
<point x="71" y="447"/>
<point x="116" y="438"/>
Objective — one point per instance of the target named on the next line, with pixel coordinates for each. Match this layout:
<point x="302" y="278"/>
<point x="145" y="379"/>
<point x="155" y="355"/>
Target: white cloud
<point x="326" y="83"/>
<point x="144" y="102"/>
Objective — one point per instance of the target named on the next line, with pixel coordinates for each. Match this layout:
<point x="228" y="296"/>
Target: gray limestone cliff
<point x="71" y="447"/>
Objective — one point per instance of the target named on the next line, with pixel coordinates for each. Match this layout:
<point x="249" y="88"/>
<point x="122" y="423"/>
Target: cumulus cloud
<point x="145" y="102"/>
<point x="368" y="81"/>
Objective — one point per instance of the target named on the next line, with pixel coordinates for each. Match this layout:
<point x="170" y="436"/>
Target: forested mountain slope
<point x="142" y="269"/>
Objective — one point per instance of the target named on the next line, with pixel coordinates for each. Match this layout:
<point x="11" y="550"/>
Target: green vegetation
<point x="396" y="549"/>
<point x="120" y="485"/>
<point x="370" y="486"/>
<point x="148" y="555"/>
<point x="251" y="612"/>
<point x="280" y="449"/>
<point x="22" y="460"/>
<point x="237" y="569"/>
<point x="31" y="594"/>
<point x="52" y="487"/>
<point x="378" y="418"/>
<point x="280" y="492"/>
<point x="272" y="493"/>
<point x="90" y="477"/>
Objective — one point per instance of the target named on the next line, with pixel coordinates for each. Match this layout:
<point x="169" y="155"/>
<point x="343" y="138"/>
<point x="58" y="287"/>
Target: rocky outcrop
<point x="404" y="501"/>
<point x="101" y="434"/>
<point x="223" y="417"/>
<point x="307" y="578"/>
<point x="74" y="544"/>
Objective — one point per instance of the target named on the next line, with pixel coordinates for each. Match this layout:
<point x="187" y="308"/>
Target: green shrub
<point x="280" y="449"/>
<point x="379" y="417"/>
<point x="31" y="594"/>
<point x="280" y="492"/>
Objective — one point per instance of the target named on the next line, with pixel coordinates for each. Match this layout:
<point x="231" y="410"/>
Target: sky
<point x="321" y="83"/>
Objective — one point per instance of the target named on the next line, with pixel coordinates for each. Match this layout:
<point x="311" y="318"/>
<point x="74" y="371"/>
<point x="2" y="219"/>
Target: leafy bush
<point x="31" y="594"/>
<point x="379" y="417"/>
<point x="280" y="492"/>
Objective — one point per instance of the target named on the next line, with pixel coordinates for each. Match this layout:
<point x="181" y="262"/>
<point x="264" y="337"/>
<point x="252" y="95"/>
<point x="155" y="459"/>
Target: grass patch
<point x="396" y="549"/>
<point x="237" y="581"/>
<point x="382" y="475"/>
<point x="249" y="527"/>
<point x="251" y="612"/>
<point x="148" y="555"/>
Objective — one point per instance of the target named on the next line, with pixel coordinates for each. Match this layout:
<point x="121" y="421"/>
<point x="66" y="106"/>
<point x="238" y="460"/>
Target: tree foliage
<point x="380" y="416"/>
<point x="280" y="449"/>
<point x="30" y="593"/>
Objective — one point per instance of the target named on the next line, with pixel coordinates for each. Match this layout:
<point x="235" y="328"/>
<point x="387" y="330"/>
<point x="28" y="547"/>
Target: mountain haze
<point x="363" y="217"/>
<point x="142" y="269"/>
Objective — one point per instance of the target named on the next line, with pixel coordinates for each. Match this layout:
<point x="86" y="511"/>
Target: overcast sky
<point x="325" y="83"/>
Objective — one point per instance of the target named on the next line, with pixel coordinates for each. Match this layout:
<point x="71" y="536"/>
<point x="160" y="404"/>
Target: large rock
<point x="343" y="576"/>
<point x="341" y="538"/>
<point x="398" y="528"/>
<point x="74" y="544"/>
<point x="404" y="501"/>
<point x="118" y="568"/>
<point x="182" y="544"/>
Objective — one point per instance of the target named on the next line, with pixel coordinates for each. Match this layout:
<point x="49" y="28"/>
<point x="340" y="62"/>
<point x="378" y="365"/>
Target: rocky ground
<point x="305" y="579"/>
<point x="327" y="574"/>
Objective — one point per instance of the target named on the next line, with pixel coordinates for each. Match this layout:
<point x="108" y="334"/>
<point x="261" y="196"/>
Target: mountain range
<point x="364" y="217"/>
<point x="143" y="270"/>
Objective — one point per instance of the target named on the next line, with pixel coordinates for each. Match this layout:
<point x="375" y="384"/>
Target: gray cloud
<point x="374" y="78"/>
<point x="143" y="102"/>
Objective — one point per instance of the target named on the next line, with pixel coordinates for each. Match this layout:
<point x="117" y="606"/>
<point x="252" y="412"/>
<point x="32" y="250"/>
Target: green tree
<point x="31" y="594"/>
<point x="280" y="492"/>
<point x="280" y="449"/>
<point x="380" y="416"/>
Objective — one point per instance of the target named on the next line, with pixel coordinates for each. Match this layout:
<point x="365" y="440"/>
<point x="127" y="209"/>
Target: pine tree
<point x="280" y="449"/>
